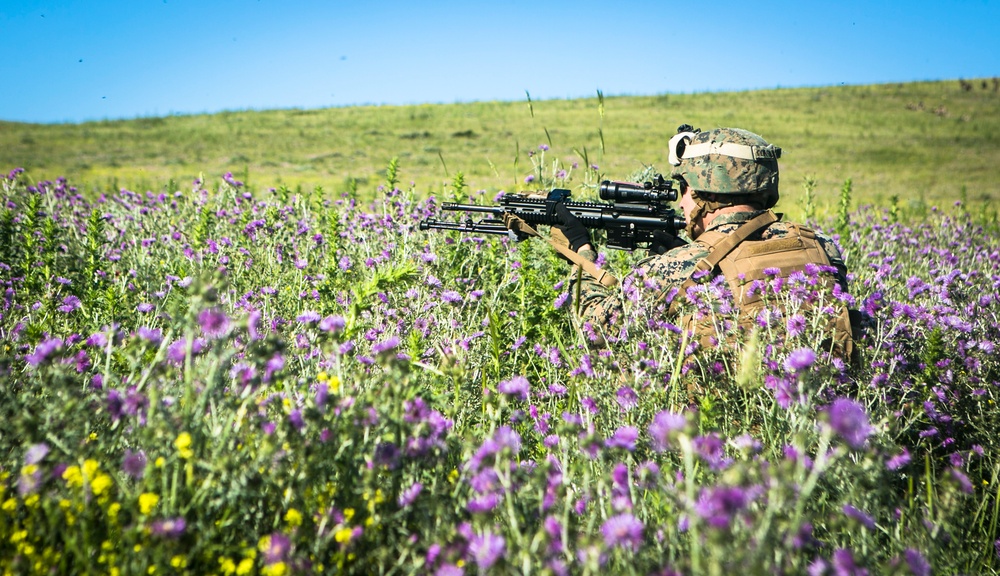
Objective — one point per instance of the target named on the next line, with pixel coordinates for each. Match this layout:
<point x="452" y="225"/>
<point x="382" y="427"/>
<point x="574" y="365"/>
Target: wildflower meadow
<point x="229" y="380"/>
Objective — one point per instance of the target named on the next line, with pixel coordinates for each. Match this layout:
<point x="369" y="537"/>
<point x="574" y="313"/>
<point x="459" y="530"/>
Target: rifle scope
<point x="636" y="192"/>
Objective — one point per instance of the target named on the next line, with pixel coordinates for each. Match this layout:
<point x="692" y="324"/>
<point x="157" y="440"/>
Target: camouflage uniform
<point x="602" y="306"/>
<point x="719" y="168"/>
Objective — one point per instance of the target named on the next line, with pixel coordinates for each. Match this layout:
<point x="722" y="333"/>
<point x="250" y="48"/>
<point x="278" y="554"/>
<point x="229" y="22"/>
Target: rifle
<point x="636" y="212"/>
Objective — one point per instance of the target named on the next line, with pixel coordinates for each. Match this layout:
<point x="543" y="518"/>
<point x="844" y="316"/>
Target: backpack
<point x="743" y="261"/>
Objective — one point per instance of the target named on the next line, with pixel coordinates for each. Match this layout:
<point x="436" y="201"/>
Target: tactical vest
<point x="743" y="261"/>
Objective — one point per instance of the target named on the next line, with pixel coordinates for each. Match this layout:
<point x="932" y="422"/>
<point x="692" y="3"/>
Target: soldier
<point x="728" y="183"/>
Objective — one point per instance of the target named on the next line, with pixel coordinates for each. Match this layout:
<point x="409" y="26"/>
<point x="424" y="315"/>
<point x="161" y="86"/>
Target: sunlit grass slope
<point x="926" y="143"/>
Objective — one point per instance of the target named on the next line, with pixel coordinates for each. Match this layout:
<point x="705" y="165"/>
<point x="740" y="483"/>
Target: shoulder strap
<point x="602" y="276"/>
<point x="722" y="244"/>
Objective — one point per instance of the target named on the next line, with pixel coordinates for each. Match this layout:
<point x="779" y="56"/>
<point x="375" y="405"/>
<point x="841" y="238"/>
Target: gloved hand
<point x="663" y="242"/>
<point x="575" y="233"/>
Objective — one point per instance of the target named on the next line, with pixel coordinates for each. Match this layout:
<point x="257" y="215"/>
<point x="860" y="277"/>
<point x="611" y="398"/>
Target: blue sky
<point x="81" y="60"/>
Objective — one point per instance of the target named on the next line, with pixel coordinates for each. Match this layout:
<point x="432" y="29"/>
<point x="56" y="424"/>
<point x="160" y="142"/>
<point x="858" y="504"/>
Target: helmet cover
<point x="726" y="161"/>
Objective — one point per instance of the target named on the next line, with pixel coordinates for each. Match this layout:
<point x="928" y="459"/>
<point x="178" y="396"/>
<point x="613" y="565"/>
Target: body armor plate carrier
<point x="743" y="261"/>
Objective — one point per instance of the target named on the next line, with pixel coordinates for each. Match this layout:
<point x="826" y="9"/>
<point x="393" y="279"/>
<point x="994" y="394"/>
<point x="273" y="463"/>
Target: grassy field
<point x="926" y="143"/>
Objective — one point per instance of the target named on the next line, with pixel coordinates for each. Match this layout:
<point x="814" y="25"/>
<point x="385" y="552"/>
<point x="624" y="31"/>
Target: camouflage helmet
<point x="725" y="161"/>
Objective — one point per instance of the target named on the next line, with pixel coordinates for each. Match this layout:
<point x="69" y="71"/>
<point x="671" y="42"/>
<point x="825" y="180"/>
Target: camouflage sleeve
<point x="604" y="307"/>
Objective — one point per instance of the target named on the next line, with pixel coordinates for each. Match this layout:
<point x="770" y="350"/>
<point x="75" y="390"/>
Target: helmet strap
<point x="702" y="206"/>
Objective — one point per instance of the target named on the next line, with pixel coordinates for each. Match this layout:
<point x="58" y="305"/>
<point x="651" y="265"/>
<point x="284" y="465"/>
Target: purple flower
<point x="35" y="453"/>
<point x="308" y="317"/>
<point x="386" y="346"/>
<point x="169" y="528"/>
<point x="253" y="325"/>
<point x="451" y="297"/>
<point x="710" y="448"/>
<point x="145" y="307"/>
<point x="623" y="531"/>
<point x="962" y="480"/>
<point x="275" y="364"/>
<point x="850" y="421"/>
<point x="799" y="360"/>
<point x="277" y="549"/>
<point x="561" y="300"/>
<point x="295" y="418"/>
<point x="919" y="565"/>
<point x="228" y="177"/>
<point x="863" y="518"/>
<point x="213" y="322"/>
<point x="97" y="340"/>
<point x="482" y="504"/>
<point x="487" y="549"/>
<point x="134" y="463"/>
<point x="664" y="425"/>
<point x="718" y="505"/>
<point x="796" y="325"/>
<point x="151" y="335"/>
<point x="43" y="350"/>
<point x="29" y="481"/>
<point x="177" y="351"/>
<point x="332" y="324"/>
<point x="623" y="437"/>
<point x="843" y="564"/>
<point x="409" y="495"/>
<point x="627" y="398"/>
<point x="529" y="178"/>
<point x="517" y="386"/>
<point x="70" y="303"/>
<point x="898" y="461"/>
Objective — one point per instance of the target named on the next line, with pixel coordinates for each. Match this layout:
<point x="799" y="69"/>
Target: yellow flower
<point x="73" y="476"/>
<point x="148" y="501"/>
<point x="113" y="510"/>
<point x="348" y="514"/>
<point x="276" y="569"/>
<point x="227" y="566"/>
<point x="92" y="437"/>
<point x="90" y="468"/>
<point x="453" y="476"/>
<point x="333" y="385"/>
<point x="178" y="562"/>
<point x="9" y="505"/>
<point x="343" y="535"/>
<point x="293" y="517"/>
<point x="322" y="377"/>
<point x="31" y="501"/>
<point x="159" y="462"/>
<point x="100" y="484"/>
<point x="183" y="445"/>
<point x="18" y="536"/>
<point x="245" y="567"/>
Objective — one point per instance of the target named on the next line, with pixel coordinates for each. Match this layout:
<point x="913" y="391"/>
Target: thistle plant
<point x="229" y="382"/>
<point x="809" y="202"/>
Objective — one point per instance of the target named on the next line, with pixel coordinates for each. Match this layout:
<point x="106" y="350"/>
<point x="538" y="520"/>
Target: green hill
<point x="926" y="143"/>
